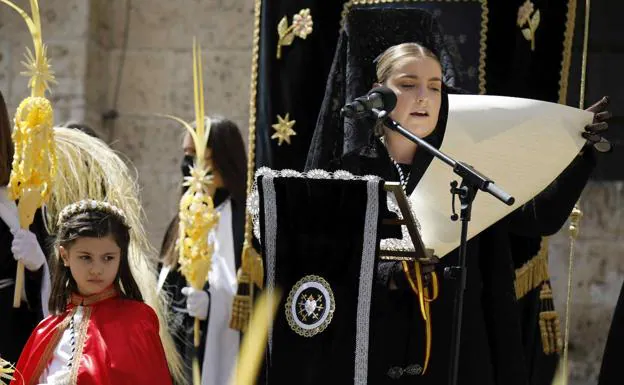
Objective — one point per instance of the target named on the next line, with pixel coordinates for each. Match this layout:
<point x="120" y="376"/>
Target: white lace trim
<point x="253" y="200"/>
<point x="367" y="266"/>
<point x="270" y="233"/>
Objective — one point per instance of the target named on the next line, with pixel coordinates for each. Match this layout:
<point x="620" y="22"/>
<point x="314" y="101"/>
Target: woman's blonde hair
<point x="389" y="59"/>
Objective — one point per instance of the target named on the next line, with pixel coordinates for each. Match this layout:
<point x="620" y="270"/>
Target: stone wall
<point x="86" y="46"/>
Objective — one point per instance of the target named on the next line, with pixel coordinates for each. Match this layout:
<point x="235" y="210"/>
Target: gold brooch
<point x="301" y="27"/>
<point x="530" y="19"/>
<point x="283" y="129"/>
<point x="310" y="306"/>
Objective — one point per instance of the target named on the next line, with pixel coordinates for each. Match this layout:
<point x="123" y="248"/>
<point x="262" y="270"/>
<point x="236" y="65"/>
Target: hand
<point x="26" y="249"/>
<point x="593" y="132"/>
<point x="196" y="302"/>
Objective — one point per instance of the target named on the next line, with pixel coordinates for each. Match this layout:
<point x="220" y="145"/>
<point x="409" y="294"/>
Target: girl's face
<point x="188" y="146"/>
<point x="93" y="262"/>
<point x="417" y="83"/>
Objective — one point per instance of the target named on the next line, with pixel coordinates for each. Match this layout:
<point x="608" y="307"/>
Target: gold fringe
<point x="241" y="307"/>
<point x="533" y="273"/>
<point x="550" y="327"/>
<point x="567" y="52"/>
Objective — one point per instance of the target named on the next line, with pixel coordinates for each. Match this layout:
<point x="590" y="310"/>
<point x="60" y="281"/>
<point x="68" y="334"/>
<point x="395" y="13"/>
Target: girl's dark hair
<point x="6" y="144"/>
<point x="98" y="224"/>
<point x="228" y="155"/>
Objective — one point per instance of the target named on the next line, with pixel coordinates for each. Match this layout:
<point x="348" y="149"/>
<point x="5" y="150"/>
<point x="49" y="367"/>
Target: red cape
<point x="117" y="343"/>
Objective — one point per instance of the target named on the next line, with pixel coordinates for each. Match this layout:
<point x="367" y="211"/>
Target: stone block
<point x="153" y="24"/>
<point x="153" y="146"/>
<point x="100" y="22"/>
<point x="97" y="77"/>
<point x="5" y="69"/>
<point x="161" y="24"/>
<point x="60" y="19"/>
<point x="144" y="82"/>
<point x="588" y="334"/>
<point x="226" y="83"/>
<point x="602" y="204"/>
<point x="230" y="28"/>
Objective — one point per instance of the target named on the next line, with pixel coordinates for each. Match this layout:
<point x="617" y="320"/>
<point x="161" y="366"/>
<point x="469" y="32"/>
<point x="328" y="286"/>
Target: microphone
<point x="379" y="98"/>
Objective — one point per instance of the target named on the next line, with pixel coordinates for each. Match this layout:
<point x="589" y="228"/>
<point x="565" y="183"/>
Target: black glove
<point x="593" y="132"/>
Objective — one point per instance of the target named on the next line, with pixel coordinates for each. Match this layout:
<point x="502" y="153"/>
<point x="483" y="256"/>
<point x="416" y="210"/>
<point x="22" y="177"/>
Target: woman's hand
<point x="593" y="132"/>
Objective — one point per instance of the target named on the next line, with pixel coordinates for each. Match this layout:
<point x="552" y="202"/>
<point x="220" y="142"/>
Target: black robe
<point x="492" y="344"/>
<point x="181" y="324"/>
<point x="17" y="324"/>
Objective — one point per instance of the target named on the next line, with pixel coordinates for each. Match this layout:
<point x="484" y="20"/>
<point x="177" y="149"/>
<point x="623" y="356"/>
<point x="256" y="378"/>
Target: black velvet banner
<point x="295" y="83"/>
<point x="319" y="236"/>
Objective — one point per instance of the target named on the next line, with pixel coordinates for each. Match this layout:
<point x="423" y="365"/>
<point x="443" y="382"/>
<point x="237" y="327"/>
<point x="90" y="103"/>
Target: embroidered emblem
<point x="530" y="19"/>
<point x="310" y="306"/>
<point x="283" y="129"/>
<point x="301" y="27"/>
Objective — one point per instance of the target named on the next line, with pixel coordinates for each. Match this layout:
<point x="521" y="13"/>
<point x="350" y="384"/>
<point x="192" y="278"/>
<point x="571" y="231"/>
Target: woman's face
<point x="188" y="147"/>
<point x="417" y="83"/>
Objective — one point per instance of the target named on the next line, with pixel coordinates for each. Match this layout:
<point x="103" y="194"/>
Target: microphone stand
<point x="471" y="182"/>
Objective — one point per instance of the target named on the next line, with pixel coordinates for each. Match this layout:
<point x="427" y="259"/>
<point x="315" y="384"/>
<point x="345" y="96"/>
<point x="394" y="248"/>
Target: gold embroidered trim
<point x="567" y="52"/>
<point x="242" y="304"/>
<point x="80" y="342"/>
<point x="483" y="35"/>
<point x="483" y="45"/>
<point x="533" y="273"/>
<point x="47" y="353"/>
<point x="90" y="300"/>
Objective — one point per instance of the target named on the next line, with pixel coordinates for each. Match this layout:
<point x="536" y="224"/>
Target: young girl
<point x="100" y="331"/>
<point x="225" y="155"/>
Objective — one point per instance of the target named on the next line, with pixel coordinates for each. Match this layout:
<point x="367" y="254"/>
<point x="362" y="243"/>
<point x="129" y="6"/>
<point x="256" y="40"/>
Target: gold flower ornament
<point x="529" y="17"/>
<point x="301" y="27"/>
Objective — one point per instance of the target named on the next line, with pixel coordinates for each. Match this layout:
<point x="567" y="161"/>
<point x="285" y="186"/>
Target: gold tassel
<point x="533" y="273"/>
<point x="241" y="307"/>
<point x="250" y="275"/>
<point x="550" y="328"/>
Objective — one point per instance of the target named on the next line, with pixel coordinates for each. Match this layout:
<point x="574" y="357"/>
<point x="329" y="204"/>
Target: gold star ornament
<point x="283" y="129"/>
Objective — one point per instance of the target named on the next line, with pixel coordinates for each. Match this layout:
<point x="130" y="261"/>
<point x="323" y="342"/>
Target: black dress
<point x="492" y="335"/>
<point x="17" y="324"/>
